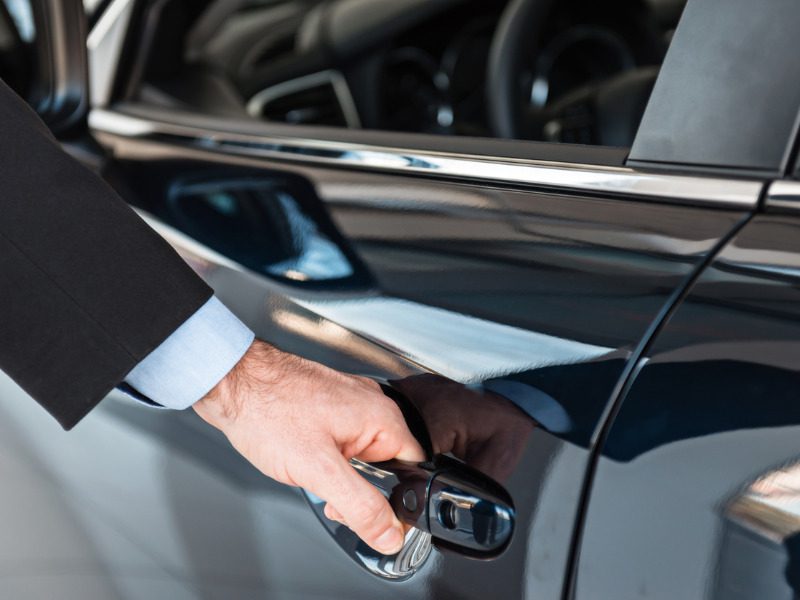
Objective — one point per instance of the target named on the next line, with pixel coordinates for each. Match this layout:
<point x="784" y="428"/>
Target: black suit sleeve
<point x="87" y="289"/>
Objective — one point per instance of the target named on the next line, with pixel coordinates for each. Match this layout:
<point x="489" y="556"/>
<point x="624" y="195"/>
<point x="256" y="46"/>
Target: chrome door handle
<point x="463" y="510"/>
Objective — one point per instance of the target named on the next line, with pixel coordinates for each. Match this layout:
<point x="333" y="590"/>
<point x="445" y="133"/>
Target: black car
<point x="563" y="235"/>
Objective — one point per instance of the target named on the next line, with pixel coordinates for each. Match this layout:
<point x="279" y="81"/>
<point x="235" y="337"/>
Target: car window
<point x="576" y="72"/>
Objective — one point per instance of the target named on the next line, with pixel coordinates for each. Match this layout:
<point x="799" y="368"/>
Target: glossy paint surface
<point x="527" y="304"/>
<point x="696" y="494"/>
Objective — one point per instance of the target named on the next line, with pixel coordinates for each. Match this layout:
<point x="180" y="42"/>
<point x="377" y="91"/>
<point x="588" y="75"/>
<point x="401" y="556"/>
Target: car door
<point x="505" y="290"/>
<point x="695" y="491"/>
<point x="696" y="486"/>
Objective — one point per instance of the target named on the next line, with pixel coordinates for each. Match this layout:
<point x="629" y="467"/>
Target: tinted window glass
<point x="579" y="71"/>
<point x="17" y="36"/>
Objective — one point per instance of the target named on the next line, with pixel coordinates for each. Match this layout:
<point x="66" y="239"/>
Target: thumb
<point x="365" y="510"/>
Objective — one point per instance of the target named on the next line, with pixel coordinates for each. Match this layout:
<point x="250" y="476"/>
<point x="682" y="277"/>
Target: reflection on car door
<point x="708" y="434"/>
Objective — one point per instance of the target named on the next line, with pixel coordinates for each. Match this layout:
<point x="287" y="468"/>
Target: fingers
<point x="333" y="514"/>
<point x="396" y="442"/>
<point x="410" y="450"/>
<point x="393" y="439"/>
<point x="357" y="503"/>
<point x="353" y="501"/>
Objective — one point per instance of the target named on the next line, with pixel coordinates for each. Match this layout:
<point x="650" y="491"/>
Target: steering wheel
<point x="518" y="33"/>
<point x="609" y="110"/>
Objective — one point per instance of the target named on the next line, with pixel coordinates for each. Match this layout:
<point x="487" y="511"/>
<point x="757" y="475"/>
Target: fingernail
<point x="390" y="541"/>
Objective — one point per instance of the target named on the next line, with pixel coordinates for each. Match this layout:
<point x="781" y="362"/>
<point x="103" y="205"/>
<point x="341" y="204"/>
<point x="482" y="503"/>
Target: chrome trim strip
<point x="784" y="195"/>
<point x="612" y="181"/>
<point x="336" y="80"/>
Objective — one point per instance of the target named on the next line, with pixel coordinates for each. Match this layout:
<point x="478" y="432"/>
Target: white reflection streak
<point x="336" y="337"/>
<point x="461" y="347"/>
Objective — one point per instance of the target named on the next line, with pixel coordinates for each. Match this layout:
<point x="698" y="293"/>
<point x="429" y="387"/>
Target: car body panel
<point x="696" y="473"/>
<point x="549" y="290"/>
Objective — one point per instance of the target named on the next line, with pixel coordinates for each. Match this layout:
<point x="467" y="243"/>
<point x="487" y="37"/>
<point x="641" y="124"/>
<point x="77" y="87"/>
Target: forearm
<point x="88" y="289"/>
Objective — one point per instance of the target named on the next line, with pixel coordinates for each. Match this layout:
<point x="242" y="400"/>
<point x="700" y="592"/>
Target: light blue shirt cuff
<point x="191" y="361"/>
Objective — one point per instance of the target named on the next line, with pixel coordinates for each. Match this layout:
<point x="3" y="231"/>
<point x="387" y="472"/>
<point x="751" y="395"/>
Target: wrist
<point x="223" y="404"/>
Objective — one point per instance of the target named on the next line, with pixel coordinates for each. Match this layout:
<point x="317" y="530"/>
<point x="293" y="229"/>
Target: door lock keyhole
<point x="448" y="515"/>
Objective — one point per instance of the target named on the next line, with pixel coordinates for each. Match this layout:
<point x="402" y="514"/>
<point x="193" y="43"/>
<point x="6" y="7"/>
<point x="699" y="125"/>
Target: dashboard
<point x="434" y="79"/>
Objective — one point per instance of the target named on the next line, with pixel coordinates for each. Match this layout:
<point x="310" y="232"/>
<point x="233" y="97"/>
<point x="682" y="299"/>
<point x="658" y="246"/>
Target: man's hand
<point x="300" y="422"/>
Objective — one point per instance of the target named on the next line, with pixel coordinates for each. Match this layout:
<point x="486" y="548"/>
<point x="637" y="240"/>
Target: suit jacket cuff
<point x="193" y="359"/>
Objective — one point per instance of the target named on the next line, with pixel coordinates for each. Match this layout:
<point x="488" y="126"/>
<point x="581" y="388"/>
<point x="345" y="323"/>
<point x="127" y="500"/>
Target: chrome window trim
<point x="784" y="195"/>
<point x="742" y="194"/>
<point x="334" y="78"/>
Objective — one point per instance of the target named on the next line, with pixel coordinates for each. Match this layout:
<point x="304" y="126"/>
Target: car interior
<point x="16" y="45"/>
<point x="578" y="71"/>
